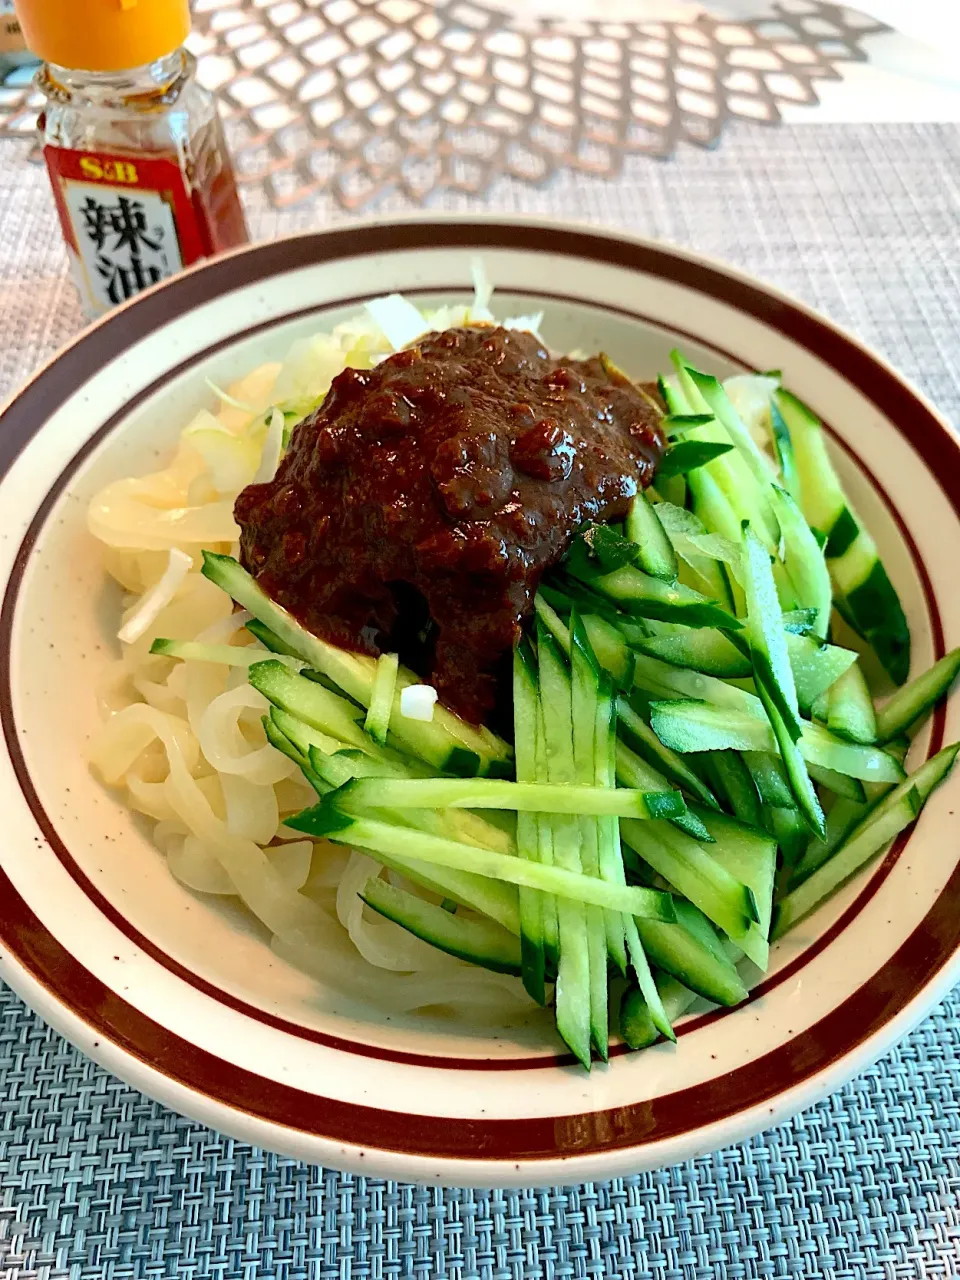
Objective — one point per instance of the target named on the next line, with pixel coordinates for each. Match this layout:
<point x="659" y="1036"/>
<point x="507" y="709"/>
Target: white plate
<point x="184" y="999"/>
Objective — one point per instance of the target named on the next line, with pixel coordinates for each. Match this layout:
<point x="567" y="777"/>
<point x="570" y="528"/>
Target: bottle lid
<point x="103" y="35"/>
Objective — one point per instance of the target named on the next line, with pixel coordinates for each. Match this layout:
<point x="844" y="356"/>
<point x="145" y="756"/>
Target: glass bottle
<point x="133" y="144"/>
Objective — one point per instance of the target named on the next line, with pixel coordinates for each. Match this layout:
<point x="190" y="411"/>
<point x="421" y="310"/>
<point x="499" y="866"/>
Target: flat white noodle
<point x="168" y="833"/>
<point x="114" y="689"/>
<point x="262" y="888"/>
<point x="252" y="810"/>
<point x="122" y="739"/>
<point x="379" y="941"/>
<point x="198" y="867"/>
<point x="206" y="680"/>
<point x="225" y="747"/>
<point x="329" y="863"/>
<point x="158" y="694"/>
<point x="292" y="861"/>
<point x="487" y="998"/>
<point x="119" y="517"/>
<point x="148" y="797"/>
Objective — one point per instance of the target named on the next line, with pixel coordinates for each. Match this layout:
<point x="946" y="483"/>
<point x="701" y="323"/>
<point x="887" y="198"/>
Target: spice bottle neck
<point x="153" y="85"/>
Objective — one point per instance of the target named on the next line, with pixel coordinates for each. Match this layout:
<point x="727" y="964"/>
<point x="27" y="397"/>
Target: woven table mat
<point x="96" y="1181"/>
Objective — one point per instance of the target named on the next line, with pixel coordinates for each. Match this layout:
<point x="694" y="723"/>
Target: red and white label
<point x="128" y="221"/>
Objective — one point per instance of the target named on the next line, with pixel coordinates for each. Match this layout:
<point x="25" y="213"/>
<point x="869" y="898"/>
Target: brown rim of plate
<point x="859" y="1017"/>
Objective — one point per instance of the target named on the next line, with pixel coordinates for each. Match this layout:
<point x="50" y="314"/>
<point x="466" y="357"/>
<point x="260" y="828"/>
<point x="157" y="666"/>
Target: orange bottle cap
<point x="103" y="35"/>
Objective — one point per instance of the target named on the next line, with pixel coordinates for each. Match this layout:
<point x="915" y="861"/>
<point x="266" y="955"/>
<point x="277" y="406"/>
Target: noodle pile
<point x="183" y="741"/>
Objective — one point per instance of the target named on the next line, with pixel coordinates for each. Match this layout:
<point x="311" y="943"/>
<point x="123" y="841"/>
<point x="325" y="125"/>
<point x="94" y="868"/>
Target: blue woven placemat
<point x="97" y="1181"/>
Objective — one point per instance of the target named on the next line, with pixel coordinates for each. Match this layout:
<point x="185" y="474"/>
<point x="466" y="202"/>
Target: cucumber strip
<point x="638" y="593"/>
<point x="803" y="560"/>
<point x="339" y="768"/>
<point x="635" y="1024"/>
<point x="610" y="649"/>
<point x="869" y="764"/>
<point x="691" y="951"/>
<point x="267" y="638"/>
<point x="838" y="783"/>
<point x="525" y="713"/>
<point x="697" y="726"/>
<point x="783" y="446"/>
<point x="738" y="786"/>
<point x="747" y="499"/>
<point x="227" y="655"/>
<point x="705" y="650"/>
<point x="676" y="423"/>
<point x="633" y="771"/>
<point x="896" y="811"/>
<point x="326" y="819"/>
<point x="865" y="595"/>
<point x="309" y="702"/>
<point x="548" y="903"/>
<point x="552" y="621"/>
<point x="818" y="491"/>
<point x="716" y="397"/>
<point x="604" y="929"/>
<point x="284" y="745"/>
<point x="688" y="726"/>
<point x="800" y="622"/>
<point x="649" y="745"/>
<point x="815" y="666"/>
<point x="479" y="941"/>
<point x="302" y="735"/>
<point x="520" y="797"/>
<point x="446" y="742"/>
<point x="343" y="769"/>
<point x="609" y="855"/>
<point x="673" y="489"/>
<point x="661" y="679"/>
<point x="374" y="762"/>
<point x="844" y="815"/>
<point x="766" y="770"/>
<point x="693" y="871"/>
<point x="850" y="712"/>
<point x="748" y="854"/>
<point x="688" y="392"/>
<point x="377" y="721"/>
<point x="609" y="547"/>
<point x="655" y="552"/>
<point x="574" y="993"/>
<point x="699" y="551"/>
<point x="491" y="898"/>
<point x="916" y="699"/>
<point x="794" y="764"/>
<point x="275" y="645"/>
<point x="789" y="830"/>
<point x="765" y="635"/>
<point x="773" y="675"/>
<point x="687" y="455"/>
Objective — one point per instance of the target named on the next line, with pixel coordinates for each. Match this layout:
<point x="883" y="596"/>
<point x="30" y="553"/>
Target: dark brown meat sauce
<point x="422" y="502"/>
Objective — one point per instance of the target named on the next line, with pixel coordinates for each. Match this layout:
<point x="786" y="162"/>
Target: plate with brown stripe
<point x="182" y="992"/>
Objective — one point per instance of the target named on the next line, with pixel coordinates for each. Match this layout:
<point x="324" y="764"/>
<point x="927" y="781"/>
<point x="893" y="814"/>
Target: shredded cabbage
<point x="157" y="598"/>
